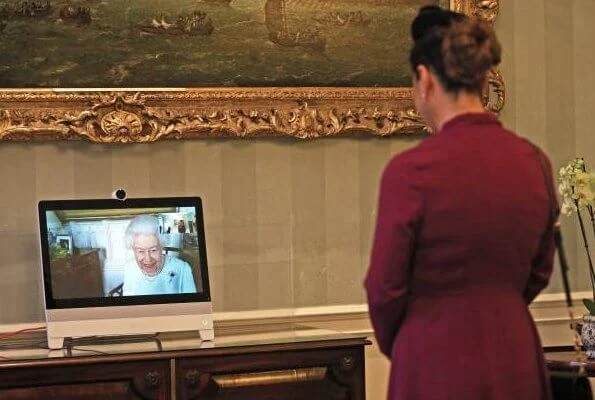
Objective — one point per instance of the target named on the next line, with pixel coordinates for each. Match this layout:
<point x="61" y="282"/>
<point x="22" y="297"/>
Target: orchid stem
<point x="589" y="206"/>
<point x="590" y="209"/>
<point x="591" y="271"/>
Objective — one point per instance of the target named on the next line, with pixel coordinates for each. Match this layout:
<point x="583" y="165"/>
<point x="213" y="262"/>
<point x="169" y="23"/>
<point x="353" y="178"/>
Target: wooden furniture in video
<point x="77" y="276"/>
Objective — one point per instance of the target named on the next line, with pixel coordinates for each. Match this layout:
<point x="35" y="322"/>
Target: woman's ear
<point x="485" y="86"/>
<point x="425" y="81"/>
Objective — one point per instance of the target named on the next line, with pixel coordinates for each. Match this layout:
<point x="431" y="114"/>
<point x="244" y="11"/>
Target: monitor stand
<point x="71" y="344"/>
<point x="56" y="342"/>
<point x="128" y="320"/>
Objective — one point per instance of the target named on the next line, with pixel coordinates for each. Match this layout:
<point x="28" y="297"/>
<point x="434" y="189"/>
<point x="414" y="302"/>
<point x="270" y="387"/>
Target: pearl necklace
<point x="151" y="278"/>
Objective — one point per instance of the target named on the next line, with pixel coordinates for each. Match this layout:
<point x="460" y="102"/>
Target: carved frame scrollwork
<point x="141" y="116"/>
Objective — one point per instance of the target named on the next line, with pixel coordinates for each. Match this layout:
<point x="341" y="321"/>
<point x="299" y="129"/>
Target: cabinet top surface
<point x="569" y="361"/>
<point x="32" y="348"/>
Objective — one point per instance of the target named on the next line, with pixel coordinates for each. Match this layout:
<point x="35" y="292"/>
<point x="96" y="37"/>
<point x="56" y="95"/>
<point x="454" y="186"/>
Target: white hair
<point x="142" y="225"/>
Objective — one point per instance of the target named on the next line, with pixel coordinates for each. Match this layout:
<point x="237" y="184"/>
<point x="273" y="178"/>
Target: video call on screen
<point x="91" y="255"/>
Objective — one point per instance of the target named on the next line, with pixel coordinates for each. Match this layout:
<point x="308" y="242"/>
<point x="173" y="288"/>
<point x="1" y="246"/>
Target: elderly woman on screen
<point x="153" y="272"/>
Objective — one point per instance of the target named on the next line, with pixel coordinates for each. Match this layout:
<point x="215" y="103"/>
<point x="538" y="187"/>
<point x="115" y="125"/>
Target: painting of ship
<point x="348" y="18"/>
<point x="207" y="43"/>
<point x="75" y="14"/>
<point x="280" y="32"/>
<point x="26" y="9"/>
<point x="195" y="24"/>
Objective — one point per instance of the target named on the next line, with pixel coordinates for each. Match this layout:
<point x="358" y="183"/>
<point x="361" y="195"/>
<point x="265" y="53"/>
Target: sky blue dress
<point x="174" y="278"/>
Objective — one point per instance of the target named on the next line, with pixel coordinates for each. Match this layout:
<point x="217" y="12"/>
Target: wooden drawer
<point x="289" y="375"/>
<point x="114" y="381"/>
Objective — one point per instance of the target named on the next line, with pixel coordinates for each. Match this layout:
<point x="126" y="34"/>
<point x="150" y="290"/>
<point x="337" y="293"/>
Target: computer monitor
<point x="122" y="267"/>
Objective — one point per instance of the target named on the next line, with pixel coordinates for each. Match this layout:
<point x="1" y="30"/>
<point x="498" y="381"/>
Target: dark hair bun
<point x="458" y="48"/>
<point x="430" y="17"/>
<point x="469" y="49"/>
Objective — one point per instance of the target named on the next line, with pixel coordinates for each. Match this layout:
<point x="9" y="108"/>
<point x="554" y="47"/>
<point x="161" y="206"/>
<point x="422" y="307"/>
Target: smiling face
<point x="148" y="253"/>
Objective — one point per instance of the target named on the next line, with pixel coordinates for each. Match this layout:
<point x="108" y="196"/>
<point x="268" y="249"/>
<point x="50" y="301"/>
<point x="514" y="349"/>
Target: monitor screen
<point x="108" y="252"/>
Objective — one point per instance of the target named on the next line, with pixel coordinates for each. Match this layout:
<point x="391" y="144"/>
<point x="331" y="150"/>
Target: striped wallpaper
<point x="549" y="55"/>
<point x="288" y="224"/>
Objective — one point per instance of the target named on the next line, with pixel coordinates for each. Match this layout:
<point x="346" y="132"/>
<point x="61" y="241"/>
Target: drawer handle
<point x="347" y="363"/>
<point x="271" y="377"/>
<point x="192" y="378"/>
<point x="153" y="379"/>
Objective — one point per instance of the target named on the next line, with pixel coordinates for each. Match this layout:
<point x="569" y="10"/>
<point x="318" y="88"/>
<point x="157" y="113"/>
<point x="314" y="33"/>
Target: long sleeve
<point x="543" y="263"/>
<point x="399" y="215"/>
<point x="541" y="267"/>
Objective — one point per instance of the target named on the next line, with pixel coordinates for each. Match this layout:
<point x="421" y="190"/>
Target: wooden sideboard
<point x="329" y="367"/>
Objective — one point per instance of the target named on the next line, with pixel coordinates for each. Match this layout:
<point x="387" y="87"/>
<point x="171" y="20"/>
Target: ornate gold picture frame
<point x="131" y="115"/>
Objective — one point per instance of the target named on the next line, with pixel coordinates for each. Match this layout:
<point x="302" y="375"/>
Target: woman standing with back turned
<point x="463" y="241"/>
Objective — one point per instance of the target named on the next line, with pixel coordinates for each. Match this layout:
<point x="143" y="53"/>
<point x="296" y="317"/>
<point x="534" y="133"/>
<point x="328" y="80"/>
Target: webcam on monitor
<point x="119" y="194"/>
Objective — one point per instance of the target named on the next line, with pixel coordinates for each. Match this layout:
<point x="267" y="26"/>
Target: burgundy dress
<point x="461" y="247"/>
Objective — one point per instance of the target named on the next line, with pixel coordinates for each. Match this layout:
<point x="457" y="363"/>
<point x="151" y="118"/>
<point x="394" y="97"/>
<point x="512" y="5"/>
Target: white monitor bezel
<point x="125" y="314"/>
